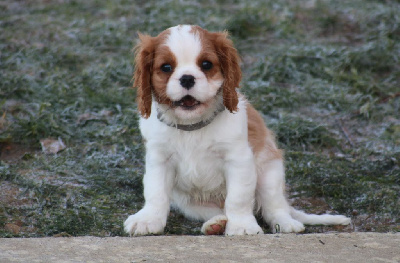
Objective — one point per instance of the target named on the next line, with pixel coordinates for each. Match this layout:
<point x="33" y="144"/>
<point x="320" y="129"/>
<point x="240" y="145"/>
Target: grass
<point x="325" y="75"/>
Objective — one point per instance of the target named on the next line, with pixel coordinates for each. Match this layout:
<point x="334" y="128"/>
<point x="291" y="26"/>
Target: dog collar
<point x="194" y="126"/>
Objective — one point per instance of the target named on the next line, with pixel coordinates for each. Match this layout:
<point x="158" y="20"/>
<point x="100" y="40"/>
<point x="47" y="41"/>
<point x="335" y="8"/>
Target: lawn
<point x="324" y="73"/>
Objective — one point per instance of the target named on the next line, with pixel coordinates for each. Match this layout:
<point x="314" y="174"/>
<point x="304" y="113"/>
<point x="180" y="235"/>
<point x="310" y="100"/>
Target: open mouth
<point x="187" y="103"/>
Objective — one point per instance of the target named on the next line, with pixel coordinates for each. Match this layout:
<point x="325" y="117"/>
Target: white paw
<point x="288" y="225"/>
<point x="282" y="222"/>
<point x="244" y="226"/>
<point x="144" y="222"/>
<point x="215" y="226"/>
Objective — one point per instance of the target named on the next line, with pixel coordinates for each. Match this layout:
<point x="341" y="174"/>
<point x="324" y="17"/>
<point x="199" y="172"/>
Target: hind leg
<point x="271" y="196"/>
<point x="215" y="226"/>
<point x="202" y="212"/>
<point x="210" y="212"/>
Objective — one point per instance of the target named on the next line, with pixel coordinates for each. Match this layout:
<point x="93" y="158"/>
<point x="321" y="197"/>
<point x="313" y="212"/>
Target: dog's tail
<point x="325" y="219"/>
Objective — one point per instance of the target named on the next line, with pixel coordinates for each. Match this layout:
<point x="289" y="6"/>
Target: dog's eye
<point x="166" y="68"/>
<point x="206" y="65"/>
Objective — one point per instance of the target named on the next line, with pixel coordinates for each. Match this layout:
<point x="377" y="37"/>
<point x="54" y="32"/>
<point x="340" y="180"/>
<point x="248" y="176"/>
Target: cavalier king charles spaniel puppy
<point x="208" y="151"/>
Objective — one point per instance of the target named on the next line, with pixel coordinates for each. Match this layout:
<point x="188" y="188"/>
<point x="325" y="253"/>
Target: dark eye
<point x="166" y="68"/>
<point x="206" y="65"/>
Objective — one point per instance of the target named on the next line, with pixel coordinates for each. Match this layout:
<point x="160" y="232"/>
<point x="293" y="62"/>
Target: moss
<point x="297" y="133"/>
<point x="348" y="185"/>
<point x="249" y="22"/>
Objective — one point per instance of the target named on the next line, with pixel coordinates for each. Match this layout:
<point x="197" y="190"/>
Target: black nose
<point x="187" y="81"/>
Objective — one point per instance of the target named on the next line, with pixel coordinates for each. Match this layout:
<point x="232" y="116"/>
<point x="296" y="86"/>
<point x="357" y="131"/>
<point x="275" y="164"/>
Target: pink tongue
<point x="189" y="102"/>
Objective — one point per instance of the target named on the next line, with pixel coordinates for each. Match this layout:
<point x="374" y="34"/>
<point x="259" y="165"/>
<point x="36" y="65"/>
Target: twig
<point x="345" y="132"/>
<point x="385" y="100"/>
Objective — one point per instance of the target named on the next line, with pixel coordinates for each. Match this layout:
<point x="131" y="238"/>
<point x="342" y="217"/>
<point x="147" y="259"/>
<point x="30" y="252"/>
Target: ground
<point x="339" y="247"/>
<point x="325" y="75"/>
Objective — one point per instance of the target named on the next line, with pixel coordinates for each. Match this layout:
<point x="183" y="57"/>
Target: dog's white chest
<point x="195" y="161"/>
<point x="198" y="168"/>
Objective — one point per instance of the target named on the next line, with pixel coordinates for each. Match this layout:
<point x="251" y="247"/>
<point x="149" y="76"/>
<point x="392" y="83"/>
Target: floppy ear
<point x="229" y="60"/>
<point x="142" y="75"/>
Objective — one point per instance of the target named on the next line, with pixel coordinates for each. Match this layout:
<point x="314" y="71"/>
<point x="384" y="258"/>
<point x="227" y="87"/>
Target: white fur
<point x="198" y="171"/>
<point x="210" y="173"/>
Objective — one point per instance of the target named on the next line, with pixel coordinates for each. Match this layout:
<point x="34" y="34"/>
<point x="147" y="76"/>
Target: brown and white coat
<point x="208" y="151"/>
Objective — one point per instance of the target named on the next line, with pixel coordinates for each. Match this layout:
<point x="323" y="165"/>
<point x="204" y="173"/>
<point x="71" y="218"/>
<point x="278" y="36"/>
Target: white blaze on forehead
<point x="184" y="43"/>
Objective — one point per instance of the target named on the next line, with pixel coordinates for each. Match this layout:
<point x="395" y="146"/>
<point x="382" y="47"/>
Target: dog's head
<point x="186" y="69"/>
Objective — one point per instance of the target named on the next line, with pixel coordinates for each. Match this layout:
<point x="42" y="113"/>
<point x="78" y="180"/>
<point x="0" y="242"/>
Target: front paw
<point x="281" y="221"/>
<point x="144" y="222"/>
<point x="245" y="226"/>
<point x="287" y="225"/>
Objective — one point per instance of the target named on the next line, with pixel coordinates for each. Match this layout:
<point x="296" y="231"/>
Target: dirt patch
<point x="12" y="195"/>
<point x="12" y="152"/>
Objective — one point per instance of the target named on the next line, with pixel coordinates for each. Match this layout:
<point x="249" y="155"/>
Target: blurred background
<point x="325" y="74"/>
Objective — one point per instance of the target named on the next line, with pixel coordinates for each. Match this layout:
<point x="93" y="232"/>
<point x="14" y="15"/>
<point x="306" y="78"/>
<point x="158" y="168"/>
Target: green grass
<point x="325" y="75"/>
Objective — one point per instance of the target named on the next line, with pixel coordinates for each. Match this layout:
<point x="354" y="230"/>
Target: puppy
<point x="208" y="152"/>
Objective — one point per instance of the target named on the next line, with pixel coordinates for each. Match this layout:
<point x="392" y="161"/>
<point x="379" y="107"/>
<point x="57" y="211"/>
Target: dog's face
<point x="188" y="70"/>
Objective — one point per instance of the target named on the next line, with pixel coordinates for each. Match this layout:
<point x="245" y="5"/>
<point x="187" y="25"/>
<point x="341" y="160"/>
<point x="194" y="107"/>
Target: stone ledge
<point x="330" y="247"/>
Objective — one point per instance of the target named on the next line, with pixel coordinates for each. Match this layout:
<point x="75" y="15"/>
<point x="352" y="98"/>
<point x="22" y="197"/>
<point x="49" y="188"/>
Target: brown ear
<point x="142" y="76"/>
<point x="229" y="60"/>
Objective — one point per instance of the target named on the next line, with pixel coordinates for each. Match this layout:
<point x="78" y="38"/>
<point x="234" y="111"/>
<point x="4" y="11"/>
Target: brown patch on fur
<point x="260" y="137"/>
<point x="208" y="53"/>
<point x="160" y="78"/>
<point x="228" y="58"/>
<point x="144" y="64"/>
<point x="142" y="76"/>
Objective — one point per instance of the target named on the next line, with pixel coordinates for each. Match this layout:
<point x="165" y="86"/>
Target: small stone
<point x="52" y="146"/>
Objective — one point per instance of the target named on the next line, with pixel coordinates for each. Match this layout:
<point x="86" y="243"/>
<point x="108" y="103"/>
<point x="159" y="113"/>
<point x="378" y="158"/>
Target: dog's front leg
<point x="241" y="180"/>
<point x="157" y="182"/>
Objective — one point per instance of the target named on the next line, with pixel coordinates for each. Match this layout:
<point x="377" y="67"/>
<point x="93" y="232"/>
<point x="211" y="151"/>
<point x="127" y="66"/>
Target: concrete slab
<point x="331" y="247"/>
